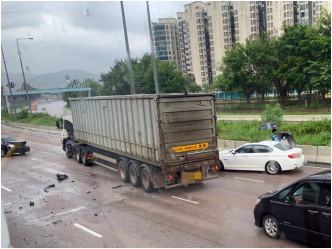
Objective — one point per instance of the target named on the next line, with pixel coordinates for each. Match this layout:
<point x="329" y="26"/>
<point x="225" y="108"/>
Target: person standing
<point x="274" y="137"/>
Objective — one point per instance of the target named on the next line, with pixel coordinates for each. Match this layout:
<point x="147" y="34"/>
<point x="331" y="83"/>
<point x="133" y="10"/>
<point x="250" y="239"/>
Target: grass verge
<point x="29" y="118"/>
<point x="317" y="133"/>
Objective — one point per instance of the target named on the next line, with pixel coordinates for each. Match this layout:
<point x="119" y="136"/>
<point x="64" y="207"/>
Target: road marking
<point x="6" y="189"/>
<point x="185" y="200"/>
<point x="53" y="215"/>
<point x="33" y="159"/>
<point x="248" y="179"/>
<point x="88" y="230"/>
<point x="315" y="167"/>
<point x="83" y="173"/>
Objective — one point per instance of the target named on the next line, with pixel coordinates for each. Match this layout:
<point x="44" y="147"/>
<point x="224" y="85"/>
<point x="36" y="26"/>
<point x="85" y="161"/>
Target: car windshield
<point x="283" y="147"/>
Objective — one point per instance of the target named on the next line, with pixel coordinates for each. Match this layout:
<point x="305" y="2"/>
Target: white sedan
<point x="270" y="156"/>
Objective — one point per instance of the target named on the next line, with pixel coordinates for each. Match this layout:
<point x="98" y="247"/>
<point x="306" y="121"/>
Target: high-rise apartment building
<point x="200" y="36"/>
<point x="166" y="40"/>
<point x="246" y="20"/>
<point x="194" y="42"/>
<point x="219" y="17"/>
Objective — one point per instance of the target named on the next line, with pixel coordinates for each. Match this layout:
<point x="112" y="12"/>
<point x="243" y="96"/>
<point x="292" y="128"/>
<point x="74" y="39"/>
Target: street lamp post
<point x="24" y="82"/>
<point x="9" y="84"/>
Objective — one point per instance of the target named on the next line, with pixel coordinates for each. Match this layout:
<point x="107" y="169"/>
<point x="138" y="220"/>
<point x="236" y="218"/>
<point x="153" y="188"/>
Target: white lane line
<point x="83" y="173"/>
<point x="6" y="189"/>
<point x="248" y="179"/>
<point x="88" y="230"/>
<point x="54" y="215"/>
<point x="185" y="200"/>
<point x="315" y="167"/>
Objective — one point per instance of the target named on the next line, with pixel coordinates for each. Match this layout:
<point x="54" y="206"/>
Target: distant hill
<point x="49" y="80"/>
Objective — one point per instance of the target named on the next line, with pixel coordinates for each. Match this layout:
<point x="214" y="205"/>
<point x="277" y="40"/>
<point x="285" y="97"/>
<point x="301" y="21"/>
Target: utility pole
<point x="130" y="68"/>
<point x="9" y="84"/>
<point x="153" y="57"/>
<point x="24" y="81"/>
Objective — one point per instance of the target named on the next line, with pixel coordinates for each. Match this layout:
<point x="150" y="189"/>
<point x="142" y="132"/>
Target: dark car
<point x="301" y="210"/>
<point x="11" y="145"/>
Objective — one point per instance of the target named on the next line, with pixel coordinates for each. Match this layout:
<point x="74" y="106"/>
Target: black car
<point x="11" y="145"/>
<point x="301" y="210"/>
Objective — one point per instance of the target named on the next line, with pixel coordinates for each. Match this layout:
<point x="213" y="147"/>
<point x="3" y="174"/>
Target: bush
<point x="23" y="114"/>
<point x="273" y="114"/>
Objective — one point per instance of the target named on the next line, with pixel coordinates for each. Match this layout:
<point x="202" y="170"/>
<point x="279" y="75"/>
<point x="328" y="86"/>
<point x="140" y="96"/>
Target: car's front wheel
<point x="3" y="152"/>
<point x="272" y="167"/>
<point x="271" y="226"/>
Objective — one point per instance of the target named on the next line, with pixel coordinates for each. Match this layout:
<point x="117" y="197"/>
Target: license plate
<point x="191" y="177"/>
<point x="190" y="147"/>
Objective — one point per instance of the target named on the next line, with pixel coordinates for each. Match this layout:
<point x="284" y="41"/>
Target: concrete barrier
<point x="316" y="154"/>
<point x="323" y="154"/>
<point x="309" y="152"/>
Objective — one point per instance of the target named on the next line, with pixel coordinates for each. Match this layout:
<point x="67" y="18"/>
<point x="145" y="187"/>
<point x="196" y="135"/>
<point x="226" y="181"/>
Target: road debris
<point x="88" y="192"/>
<point x="56" y="222"/>
<point x="96" y="214"/>
<point x="119" y="186"/>
<point x="49" y="186"/>
<point x="61" y="177"/>
<point x="31" y="203"/>
<point x="7" y="212"/>
<point x="49" y="235"/>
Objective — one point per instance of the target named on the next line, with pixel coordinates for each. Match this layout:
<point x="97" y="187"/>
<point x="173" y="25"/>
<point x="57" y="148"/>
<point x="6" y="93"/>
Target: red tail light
<point x="291" y="156"/>
<point x="170" y="176"/>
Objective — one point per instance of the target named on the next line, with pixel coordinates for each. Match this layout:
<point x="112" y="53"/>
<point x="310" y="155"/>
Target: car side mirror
<point x="233" y="152"/>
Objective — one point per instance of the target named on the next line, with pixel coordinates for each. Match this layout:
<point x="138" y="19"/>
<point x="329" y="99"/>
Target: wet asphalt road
<point x="220" y="213"/>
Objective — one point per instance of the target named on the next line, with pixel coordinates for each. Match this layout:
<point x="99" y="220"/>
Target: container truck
<point x="152" y="141"/>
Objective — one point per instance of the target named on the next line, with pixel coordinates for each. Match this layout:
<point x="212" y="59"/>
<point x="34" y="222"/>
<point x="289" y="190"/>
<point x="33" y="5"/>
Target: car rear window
<point x="283" y="147"/>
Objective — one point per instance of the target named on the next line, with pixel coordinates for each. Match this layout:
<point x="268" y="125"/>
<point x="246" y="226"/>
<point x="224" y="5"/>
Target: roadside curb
<point x="315" y="154"/>
<point x="41" y="128"/>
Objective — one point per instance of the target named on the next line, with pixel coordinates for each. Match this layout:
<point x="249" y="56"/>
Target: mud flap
<point x="157" y="177"/>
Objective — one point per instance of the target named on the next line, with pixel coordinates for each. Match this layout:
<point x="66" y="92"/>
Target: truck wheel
<point x="84" y="159"/>
<point x="134" y="174"/>
<point x="69" y="152"/>
<point x="146" y="180"/>
<point x="123" y="169"/>
<point x="78" y="156"/>
<point x="22" y="152"/>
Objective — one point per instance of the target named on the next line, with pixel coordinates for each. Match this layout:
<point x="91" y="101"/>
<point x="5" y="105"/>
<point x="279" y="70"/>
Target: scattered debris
<point x="20" y="207"/>
<point x="94" y="187"/>
<point x="55" y="241"/>
<point x="47" y="235"/>
<point x="72" y="181"/>
<point x="56" y="222"/>
<point x="93" y="199"/>
<point x="88" y="192"/>
<point x="119" y="186"/>
<point x="31" y="203"/>
<point x="7" y="212"/>
<point x="96" y="214"/>
<point x="49" y="186"/>
<point x="61" y="177"/>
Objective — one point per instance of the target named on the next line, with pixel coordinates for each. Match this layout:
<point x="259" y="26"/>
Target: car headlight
<point x="11" y="145"/>
<point x="258" y="201"/>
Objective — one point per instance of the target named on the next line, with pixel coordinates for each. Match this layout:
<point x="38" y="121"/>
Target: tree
<point x="96" y="88"/>
<point x="237" y="69"/>
<point x="319" y="65"/>
<point x="116" y="81"/>
<point x="190" y="84"/>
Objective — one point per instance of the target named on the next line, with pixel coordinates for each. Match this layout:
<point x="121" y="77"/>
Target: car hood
<point x="269" y="194"/>
<point x="224" y="152"/>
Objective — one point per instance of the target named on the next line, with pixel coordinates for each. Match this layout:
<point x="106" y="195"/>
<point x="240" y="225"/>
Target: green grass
<point x="317" y="133"/>
<point x="29" y="118"/>
<point x="259" y="113"/>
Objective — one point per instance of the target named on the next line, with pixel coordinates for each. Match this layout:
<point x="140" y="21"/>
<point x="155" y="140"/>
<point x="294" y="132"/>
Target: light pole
<point x="24" y="82"/>
<point x="9" y="83"/>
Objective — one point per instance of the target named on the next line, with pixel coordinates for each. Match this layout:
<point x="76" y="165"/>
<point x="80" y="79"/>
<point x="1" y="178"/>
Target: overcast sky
<point x="76" y="35"/>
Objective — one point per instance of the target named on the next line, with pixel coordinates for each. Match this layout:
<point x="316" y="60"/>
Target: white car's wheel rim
<point x="271" y="227"/>
<point x="272" y="168"/>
